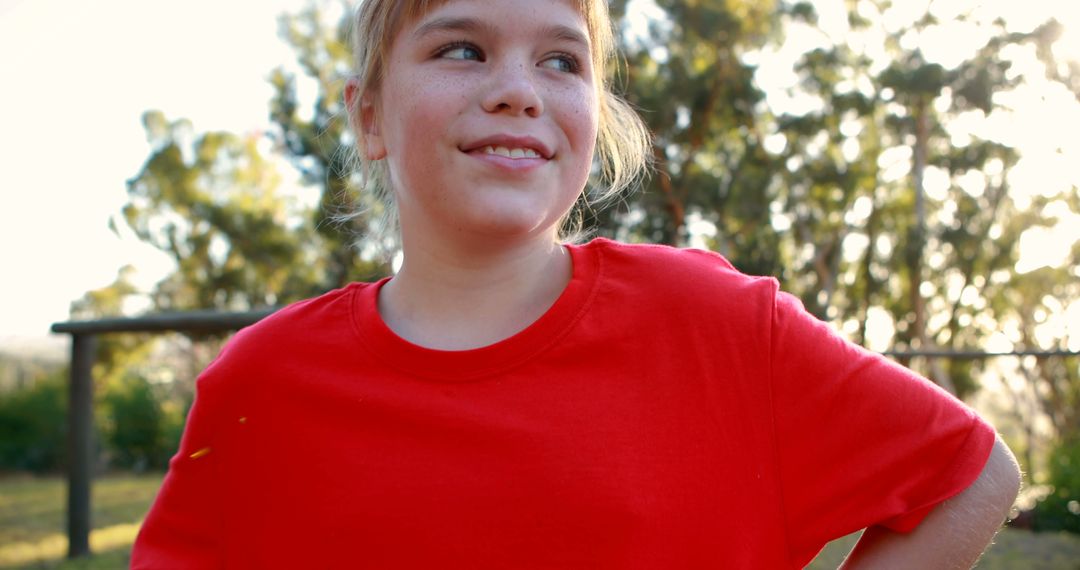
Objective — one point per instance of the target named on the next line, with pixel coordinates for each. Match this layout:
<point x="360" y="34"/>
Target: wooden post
<point x="80" y="428"/>
<point x="80" y="443"/>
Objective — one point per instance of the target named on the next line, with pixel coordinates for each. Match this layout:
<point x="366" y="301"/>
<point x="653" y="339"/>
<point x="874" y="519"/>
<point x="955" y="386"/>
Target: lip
<point x="510" y="141"/>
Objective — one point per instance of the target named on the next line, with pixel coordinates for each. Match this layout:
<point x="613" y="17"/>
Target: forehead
<point x="417" y="8"/>
<point x="410" y="11"/>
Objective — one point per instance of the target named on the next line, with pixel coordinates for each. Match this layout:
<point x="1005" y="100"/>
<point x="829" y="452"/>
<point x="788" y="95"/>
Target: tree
<point x="697" y="95"/>
<point x="211" y="202"/>
<point x="116" y="354"/>
<point x="318" y="143"/>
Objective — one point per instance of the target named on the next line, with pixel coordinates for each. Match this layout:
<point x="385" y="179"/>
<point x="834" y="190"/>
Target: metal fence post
<point x="80" y="443"/>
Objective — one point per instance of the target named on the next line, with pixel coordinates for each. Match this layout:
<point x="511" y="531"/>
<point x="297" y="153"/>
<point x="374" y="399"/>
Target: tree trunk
<point x="937" y="371"/>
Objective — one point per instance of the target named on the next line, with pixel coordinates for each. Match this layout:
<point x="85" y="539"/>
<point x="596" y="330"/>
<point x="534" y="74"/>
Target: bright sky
<point x="77" y="76"/>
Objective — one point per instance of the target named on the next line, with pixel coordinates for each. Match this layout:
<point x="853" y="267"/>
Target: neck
<point x="452" y="299"/>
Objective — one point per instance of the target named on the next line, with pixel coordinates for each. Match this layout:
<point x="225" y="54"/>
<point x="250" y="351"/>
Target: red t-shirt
<point x="666" y="412"/>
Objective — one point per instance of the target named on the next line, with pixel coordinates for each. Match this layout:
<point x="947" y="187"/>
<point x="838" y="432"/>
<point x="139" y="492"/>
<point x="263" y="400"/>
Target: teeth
<point x="511" y="153"/>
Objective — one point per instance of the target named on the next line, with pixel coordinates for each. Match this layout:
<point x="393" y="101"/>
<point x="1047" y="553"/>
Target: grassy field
<point x="32" y="523"/>
<point x="1012" y="550"/>
<point x="32" y="530"/>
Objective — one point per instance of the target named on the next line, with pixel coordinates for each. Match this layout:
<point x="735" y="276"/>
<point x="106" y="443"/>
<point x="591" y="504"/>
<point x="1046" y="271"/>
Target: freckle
<point x="200" y="453"/>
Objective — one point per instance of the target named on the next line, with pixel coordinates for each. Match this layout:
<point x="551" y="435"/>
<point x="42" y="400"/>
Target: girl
<point x="510" y="401"/>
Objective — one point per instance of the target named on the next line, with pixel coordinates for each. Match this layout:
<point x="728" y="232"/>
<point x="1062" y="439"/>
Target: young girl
<point x="510" y="401"/>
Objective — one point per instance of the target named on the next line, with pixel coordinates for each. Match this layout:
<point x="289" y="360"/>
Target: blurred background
<point x="907" y="168"/>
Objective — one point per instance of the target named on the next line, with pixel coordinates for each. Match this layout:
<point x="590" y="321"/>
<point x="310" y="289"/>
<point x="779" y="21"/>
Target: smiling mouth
<point x="510" y="152"/>
<point x="510" y="147"/>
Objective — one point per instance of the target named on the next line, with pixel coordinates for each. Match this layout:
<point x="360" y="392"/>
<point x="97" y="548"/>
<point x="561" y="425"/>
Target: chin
<point x="510" y="228"/>
<point x="516" y="218"/>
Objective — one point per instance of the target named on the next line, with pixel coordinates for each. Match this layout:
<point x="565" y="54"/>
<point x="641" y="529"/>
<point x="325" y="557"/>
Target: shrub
<point x="1060" y="510"/>
<point x="137" y="431"/>
<point x="33" y="425"/>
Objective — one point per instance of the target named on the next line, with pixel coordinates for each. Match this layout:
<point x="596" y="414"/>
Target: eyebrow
<point x="566" y="33"/>
<point x="451" y="25"/>
<point x="559" y="32"/>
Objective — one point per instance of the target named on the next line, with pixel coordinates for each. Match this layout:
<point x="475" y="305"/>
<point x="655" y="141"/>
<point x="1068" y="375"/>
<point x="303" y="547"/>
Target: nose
<point x="512" y="90"/>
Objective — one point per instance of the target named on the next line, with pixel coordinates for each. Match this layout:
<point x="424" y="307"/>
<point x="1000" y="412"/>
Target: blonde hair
<point x="623" y="142"/>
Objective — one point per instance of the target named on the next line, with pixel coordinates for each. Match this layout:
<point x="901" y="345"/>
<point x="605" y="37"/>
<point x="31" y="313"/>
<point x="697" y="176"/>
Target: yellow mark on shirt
<point x="200" y="453"/>
<point x="243" y="419"/>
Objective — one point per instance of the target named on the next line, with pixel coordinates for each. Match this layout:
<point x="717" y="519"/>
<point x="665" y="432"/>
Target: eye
<point x="563" y="62"/>
<point x="460" y="50"/>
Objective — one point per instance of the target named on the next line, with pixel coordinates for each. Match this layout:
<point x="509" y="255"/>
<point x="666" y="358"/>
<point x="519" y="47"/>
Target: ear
<point x="364" y="116"/>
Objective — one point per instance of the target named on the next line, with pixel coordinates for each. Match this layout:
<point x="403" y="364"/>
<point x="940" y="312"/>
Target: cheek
<point x="419" y="112"/>
<point x="582" y="123"/>
<point x="414" y="116"/>
<point x="583" y="117"/>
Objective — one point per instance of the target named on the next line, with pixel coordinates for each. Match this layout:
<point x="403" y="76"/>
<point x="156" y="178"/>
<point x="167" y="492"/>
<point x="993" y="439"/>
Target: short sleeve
<point x="860" y="440"/>
<point x="183" y="527"/>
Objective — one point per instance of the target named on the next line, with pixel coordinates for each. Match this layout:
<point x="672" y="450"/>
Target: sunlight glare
<point x="1068" y="45"/>
<point x="1072" y="326"/>
<point x="880" y="329"/>
<point x="1048" y="247"/>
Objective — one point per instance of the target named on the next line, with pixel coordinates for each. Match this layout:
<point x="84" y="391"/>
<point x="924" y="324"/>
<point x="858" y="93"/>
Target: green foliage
<point x="33" y="424"/>
<point x="139" y="425"/>
<point x="116" y="354"/>
<point x="697" y="95"/>
<point x="318" y="143"/>
<point x="138" y="429"/>
<point x="872" y="201"/>
<point x="211" y="203"/>
<point x="1060" y="510"/>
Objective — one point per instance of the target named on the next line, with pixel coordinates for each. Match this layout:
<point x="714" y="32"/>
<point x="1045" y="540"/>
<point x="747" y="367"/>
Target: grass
<point x="32" y="521"/>
<point x="32" y="530"/>
<point x="1012" y="550"/>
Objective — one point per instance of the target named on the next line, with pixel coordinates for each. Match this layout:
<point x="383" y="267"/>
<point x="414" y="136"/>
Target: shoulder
<point x="296" y="329"/>
<point x="685" y="274"/>
<point x="331" y="307"/>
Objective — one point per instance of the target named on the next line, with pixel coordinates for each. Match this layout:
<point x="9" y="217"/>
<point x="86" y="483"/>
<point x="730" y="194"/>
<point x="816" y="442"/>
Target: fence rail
<point x="975" y="354"/>
<point x="188" y="321"/>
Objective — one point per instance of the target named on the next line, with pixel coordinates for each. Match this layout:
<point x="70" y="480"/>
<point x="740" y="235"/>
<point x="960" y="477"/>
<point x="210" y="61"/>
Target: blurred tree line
<point x="868" y="185"/>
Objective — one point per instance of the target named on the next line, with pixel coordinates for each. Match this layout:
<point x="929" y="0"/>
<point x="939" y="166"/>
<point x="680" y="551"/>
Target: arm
<point x="955" y="533"/>
<point x="183" y="526"/>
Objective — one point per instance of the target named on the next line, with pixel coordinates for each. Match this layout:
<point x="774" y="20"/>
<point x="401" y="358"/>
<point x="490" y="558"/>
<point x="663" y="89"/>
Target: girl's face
<point x="487" y="116"/>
